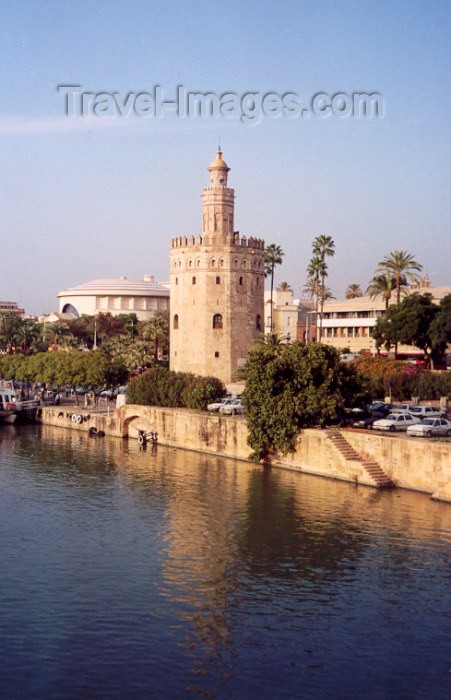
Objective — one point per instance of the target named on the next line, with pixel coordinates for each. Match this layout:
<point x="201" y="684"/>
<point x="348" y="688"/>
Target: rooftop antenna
<point x="219" y="144"/>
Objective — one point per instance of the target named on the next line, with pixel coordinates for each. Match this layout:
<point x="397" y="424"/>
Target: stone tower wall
<point x="210" y="277"/>
<point x="217" y="288"/>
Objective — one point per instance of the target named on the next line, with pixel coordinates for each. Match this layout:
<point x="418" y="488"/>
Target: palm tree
<point x="381" y="285"/>
<point x="353" y="291"/>
<point x="28" y="333"/>
<point x="311" y="288"/>
<point x="156" y="331"/>
<point x="273" y="257"/>
<point x="401" y="265"/>
<point x="271" y="340"/>
<point x="284" y="287"/>
<point x="323" y="247"/>
<point x="315" y="271"/>
<point x="328" y="294"/>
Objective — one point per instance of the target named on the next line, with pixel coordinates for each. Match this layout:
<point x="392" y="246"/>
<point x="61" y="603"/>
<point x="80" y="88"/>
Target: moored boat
<point x="8" y="402"/>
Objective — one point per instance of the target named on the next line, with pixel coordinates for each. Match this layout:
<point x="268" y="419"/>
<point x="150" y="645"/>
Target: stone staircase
<point x="372" y="468"/>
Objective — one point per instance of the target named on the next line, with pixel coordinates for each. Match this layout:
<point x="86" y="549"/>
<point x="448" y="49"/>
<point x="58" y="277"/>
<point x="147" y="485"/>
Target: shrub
<point x="290" y="387"/>
<point x="159" y="386"/>
<point x="385" y="376"/>
<point x="202" y="391"/>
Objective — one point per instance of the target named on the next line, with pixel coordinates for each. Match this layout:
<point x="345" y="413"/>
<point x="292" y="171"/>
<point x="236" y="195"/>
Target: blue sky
<point x="98" y="197"/>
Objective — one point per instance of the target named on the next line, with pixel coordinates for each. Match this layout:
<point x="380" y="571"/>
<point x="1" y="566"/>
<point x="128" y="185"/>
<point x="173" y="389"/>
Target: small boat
<point x="8" y="402"/>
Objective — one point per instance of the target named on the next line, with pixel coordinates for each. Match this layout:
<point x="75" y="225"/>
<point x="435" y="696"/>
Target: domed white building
<point x="117" y="296"/>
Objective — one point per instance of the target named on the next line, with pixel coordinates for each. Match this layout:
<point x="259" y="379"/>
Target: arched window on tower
<point x="218" y="280"/>
<point x="175" y="324"/>
<point x="217" y="321"/>
<point x="258" y="323"/>
<point x="241" y="281"/>
<point x="193" y="280"/>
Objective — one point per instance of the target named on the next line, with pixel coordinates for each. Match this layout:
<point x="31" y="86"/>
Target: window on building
<point x="218" y="280"/>
<point x="190" y="263"/>
<point x="176" y="281"/>
<point x="194" y="280"/>
<point x="241" y="280"/>
<point x="176" y="321"/>
<point x="216" y="353"/>
<point x="213" y="263"/>
<point x="258" y="322"/>
<point x="217" y="321"/>
<point x="289" y="321"/>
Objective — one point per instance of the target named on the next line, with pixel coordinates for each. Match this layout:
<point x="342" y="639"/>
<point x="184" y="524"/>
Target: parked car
<point x="395" y="421"/>
<point x="426" y="412"/>
<point x="107" y="393"/>
<point x="401" y="408"/>
<point x="430" y="427"/>
<point x="349" y="356"/>
<point x="217" y="404"/>
<point x="232" y="408"/>
<point x="381" y="407"/>
<point x="369" y="419"/>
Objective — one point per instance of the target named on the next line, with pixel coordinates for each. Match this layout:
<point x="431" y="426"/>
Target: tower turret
<point x="217" y="285"/>
<point x="218" y="203"/>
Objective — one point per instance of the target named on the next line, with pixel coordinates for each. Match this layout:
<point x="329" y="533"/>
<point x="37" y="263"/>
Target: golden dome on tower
<point x="218" y="162"/>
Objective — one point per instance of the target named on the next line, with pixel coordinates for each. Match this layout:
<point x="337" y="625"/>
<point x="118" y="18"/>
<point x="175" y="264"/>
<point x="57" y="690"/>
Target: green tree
<point x="288" y="388"/>
<point x="10" y="325"/>
<point x="107" y="326"/>
<point x="159" y="386"/>
<point x="440" y="330"/>
<point x="129" y="324"/>
<point x="401" y="265"/>
<point x="323" y="247"/>
<point x="55" y="333"/>
<point x="353" y="291"/>
<point x="284" y="287"/>
<point x="273" y="256"/>
<point x="271" y="340"/>
<point x="410" y="323"/>
<point x="156" y="332"/>
<point x="381" y="286"/>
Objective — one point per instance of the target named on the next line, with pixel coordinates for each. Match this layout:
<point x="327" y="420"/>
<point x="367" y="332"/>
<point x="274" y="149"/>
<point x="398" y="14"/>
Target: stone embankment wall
<point x="411" y="463"/>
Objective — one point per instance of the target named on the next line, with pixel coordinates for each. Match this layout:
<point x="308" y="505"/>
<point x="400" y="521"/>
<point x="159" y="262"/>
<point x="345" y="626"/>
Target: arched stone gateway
<point x="133" y="421"/>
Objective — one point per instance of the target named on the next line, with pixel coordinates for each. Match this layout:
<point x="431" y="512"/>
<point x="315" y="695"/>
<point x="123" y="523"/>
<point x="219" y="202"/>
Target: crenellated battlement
<point x="235" y="240"/>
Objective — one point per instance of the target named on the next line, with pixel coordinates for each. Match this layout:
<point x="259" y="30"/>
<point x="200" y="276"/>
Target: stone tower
<point x="217" y="288"/>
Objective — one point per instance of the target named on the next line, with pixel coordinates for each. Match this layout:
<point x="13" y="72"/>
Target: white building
<point x="347" y="323"/>
<point x="117" y="296"/>
<point x="284" y="314"/>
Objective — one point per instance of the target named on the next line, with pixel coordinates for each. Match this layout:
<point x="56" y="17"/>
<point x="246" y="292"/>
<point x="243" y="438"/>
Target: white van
<point x="349" y="356"/>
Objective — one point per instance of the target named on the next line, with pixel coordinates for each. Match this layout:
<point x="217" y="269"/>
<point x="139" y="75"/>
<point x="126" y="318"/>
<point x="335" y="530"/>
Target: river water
<point x="139" y="574"/>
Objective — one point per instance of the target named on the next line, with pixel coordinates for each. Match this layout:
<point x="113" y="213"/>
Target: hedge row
<point x="160" y="386"/>
<point x="384" y="376"/>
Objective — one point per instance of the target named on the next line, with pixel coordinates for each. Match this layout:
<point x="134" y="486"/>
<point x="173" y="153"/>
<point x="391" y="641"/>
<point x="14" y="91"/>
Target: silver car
<point x="395" y="421"/>
<point x="232" y="408"/>
<point x="430" y="427"/>
<point x="218" y="404"/>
